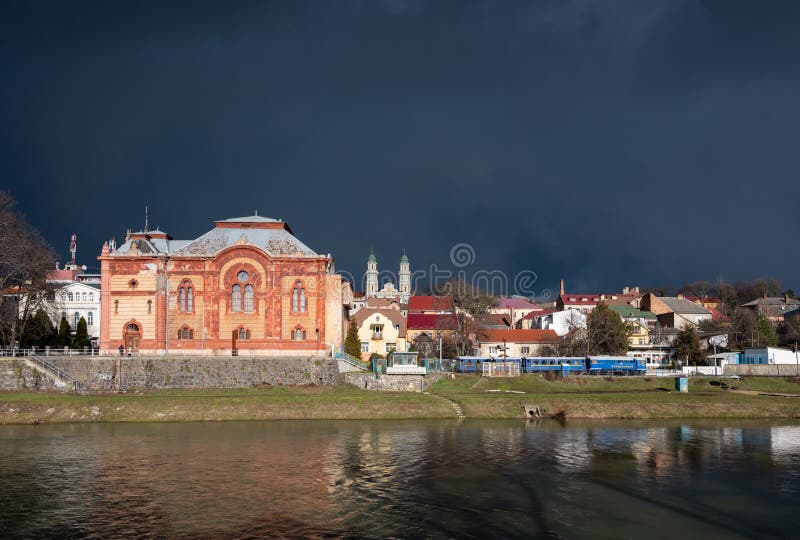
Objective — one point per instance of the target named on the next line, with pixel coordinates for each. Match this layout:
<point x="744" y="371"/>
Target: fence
<point x="500" y="369"/>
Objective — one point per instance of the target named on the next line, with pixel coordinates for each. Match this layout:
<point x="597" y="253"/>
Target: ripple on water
<point x="399" y="479"/>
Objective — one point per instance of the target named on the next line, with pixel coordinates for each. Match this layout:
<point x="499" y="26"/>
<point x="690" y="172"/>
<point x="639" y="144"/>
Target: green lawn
<point x="618" y="397"/>
<point x="576" y="397"/>
<point x="344" y="402"/>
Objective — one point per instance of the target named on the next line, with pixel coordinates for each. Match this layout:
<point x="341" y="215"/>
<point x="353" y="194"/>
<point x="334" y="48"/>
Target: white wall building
<point x="74" y="301"/>
<point x="769" y="355"/>
<point x="561" y="322"/>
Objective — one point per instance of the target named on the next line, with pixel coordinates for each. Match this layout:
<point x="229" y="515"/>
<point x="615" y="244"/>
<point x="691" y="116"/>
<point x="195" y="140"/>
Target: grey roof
<point x="773" y="301"/>
<point x="276" y="242"/>
<point x="249" y="219"/>
<point x="682" y="305"/>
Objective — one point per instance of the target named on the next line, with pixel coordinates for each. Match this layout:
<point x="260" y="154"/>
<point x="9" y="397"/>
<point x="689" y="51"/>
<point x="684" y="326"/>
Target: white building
<point x="74" y="301"/>
<point x="769" y="355"/>
<point x="561" y="322"/>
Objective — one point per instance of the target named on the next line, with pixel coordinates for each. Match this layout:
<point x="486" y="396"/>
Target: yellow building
<point x="380" y="331"/>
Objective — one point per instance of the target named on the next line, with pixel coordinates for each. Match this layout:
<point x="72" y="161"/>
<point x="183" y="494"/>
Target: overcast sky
<point x="609" y="143"/>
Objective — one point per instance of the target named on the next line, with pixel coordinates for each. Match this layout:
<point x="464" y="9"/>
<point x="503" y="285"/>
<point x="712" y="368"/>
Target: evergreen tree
<point x="352" y="344"/>
<point x="766" y="333"/>
<point x="608" y="333"/>
<point x="39" y="332"/>
<point x="63" y="333"/>
<point x="81" y="335"/>
<point x="687" y="346"/>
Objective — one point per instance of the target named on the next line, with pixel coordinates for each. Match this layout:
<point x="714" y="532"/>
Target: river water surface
<point x="404" y="479"/>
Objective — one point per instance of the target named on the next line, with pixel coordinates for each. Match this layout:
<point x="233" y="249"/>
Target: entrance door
<point x="132" y="343"/>
<point x="132" y="337"/>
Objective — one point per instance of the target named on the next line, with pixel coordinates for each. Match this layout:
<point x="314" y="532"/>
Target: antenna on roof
<point x="145" y="219"/>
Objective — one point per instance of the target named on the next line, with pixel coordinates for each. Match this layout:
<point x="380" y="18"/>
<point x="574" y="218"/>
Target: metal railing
<point x="54" y="369"/>
<point x="347" y="359"/>
<point x="48" y="351"/>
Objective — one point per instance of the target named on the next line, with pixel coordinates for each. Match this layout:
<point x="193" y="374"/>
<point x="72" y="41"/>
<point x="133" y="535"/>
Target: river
<point x="405" y="479"/>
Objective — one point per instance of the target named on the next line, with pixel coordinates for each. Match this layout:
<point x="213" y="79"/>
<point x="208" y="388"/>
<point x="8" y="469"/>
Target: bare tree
<point x="24" y="260"/>
<point x="471" y="304"/>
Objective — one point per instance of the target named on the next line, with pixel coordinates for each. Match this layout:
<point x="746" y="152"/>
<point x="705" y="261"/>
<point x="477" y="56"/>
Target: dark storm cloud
<point x="607" y="143"/>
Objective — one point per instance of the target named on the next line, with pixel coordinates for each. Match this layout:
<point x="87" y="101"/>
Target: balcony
<point x="377" y="336"/>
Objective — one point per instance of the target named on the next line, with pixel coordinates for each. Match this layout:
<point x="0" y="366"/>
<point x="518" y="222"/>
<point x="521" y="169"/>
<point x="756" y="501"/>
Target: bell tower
<point x="372" y="275"/>
<point x="404" y="285"/>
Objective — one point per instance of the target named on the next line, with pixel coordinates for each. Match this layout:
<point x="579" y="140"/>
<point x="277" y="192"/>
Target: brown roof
<point x="518" y="336"/>
<point x="391" y="314"/>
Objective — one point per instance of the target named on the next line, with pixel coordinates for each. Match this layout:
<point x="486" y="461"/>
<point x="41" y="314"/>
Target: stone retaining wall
<point x="393" y="383"/>
<point x="15" y="375"/>
<point x="121" y="373"/>
<point x="762" y="370"/>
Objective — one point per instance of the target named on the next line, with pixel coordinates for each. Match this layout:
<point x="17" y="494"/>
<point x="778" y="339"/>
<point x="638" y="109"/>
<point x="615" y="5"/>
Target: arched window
<point x="186" y="297"/>
<point x="299" y="298"/>
<point x="116" y="307"/>
<point x="77" y="317"/>
<point x="304" y="335"/>
<point x="69" y="295"/>
<point x="236" y="298"/>
<point x="298" y="334"/>
<point x="63" y="314"/>
<point x="149" y="306"/>
<point x="90" y="318"/>
<point x="244" y="333"/>
<point x="185" y="333"/>
<point x="83" y="297"/>
<point x="248" y="299"/>
<point x="132" y="328"/>
<point x="91" y="297"/>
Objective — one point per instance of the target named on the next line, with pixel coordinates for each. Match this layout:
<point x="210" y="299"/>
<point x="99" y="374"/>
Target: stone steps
<point x="456" y="407"/>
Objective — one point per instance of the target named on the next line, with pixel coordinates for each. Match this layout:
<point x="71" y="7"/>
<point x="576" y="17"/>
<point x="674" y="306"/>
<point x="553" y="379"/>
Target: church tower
<point x="372" y="275"/>
<point x="404" y="284"/>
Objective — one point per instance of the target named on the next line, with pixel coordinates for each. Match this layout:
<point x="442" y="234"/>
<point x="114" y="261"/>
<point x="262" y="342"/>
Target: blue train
<point x="566" y="365"/>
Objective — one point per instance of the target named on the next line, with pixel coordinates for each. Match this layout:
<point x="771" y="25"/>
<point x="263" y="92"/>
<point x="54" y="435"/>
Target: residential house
<point x="640" y="323"/>
<point x="430" y="324"/>
<point x="773" y="308"/>
<point x="674" y="312"/>
<point x="380" y="331"/>
<point x="561" y="322"/>
<point x="585" y="303"/>
<point x="514" y="342"/>
<point x="431" y="304"/>
<point x="514" y="308"/>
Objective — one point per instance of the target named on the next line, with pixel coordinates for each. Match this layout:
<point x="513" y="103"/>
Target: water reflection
<point x="401" y="479"/>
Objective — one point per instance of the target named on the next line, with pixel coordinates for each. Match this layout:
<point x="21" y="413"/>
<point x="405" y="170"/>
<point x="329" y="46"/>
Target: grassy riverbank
<point x="621" y="397"/>
<point x="577" y="397"/>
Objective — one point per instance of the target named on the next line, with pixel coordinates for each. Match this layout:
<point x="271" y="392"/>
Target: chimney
<point x="626" y="290"/>
<point x="562" y="287"/>
<point x="681" y="295"/>
<point x="786" y="298"/>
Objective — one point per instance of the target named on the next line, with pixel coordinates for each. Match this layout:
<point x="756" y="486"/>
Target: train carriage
<point x="566" y="365"/>
<point x="616" y="365"/>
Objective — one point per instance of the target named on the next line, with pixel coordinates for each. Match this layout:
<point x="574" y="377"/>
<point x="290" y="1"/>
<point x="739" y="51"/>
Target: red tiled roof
<point x="533" y="314"/>
<point x="430" y="303"/>
<point x="716" y="315"/>
<point x="518" y="336"/>
<point x="61" y="275"/>
<point x="431" y="321"/>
